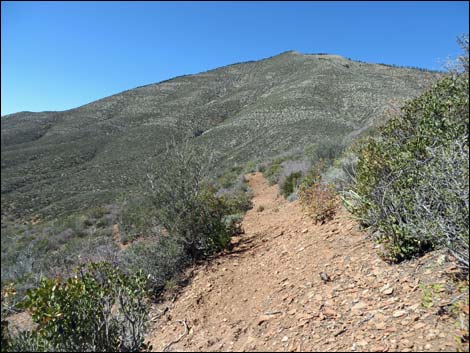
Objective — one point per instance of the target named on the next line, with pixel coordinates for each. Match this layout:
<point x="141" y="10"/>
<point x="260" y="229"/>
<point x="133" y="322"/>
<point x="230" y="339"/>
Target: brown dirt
<point x="117" y="238"/>
<point x="267" y="294"/>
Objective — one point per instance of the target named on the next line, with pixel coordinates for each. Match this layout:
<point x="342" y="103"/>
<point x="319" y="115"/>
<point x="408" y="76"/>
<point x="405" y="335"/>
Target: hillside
<point x="56" y="163"/>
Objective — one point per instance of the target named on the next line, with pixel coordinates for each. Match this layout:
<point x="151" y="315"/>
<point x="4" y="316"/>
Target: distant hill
<point x="58" y="162"/>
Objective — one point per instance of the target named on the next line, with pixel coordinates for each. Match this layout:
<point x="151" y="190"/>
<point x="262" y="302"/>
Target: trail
<point x="267" y="293"/>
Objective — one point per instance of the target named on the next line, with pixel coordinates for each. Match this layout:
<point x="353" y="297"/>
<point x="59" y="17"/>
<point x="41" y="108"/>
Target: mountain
<point x="56" y="163"/>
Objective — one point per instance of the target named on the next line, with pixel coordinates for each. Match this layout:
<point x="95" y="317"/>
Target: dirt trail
<point x="267" y="293"/>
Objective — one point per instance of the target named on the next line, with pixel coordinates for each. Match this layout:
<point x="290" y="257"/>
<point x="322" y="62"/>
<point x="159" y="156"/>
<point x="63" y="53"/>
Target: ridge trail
<point x="267" y="293"/>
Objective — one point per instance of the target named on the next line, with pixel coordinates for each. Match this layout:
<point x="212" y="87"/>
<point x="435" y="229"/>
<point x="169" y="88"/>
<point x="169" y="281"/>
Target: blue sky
<point x="60" y="55"/>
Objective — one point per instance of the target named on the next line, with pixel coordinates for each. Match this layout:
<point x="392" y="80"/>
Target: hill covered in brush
<point x="56" y="163"/>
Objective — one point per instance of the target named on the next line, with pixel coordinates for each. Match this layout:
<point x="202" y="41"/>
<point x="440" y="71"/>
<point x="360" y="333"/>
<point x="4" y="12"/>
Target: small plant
<point x="318" y="200"/>
<point x="273" y="172"/>
<point x="290" y="184"/>
<point x="260" y="208"/>
<point x="430" y="294"/>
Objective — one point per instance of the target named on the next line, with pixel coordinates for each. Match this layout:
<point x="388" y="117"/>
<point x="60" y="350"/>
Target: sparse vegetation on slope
<point x="411" y="184"/>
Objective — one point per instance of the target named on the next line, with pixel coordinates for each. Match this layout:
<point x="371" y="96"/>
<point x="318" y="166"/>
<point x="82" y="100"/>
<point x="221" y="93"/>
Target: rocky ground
<point x="291" y="285"/>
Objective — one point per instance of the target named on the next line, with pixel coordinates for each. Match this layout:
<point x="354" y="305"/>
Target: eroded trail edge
<point x="290" y="285"/>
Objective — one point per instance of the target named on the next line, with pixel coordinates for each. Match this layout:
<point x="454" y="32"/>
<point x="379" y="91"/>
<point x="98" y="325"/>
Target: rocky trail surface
<point x="291" y="285"/>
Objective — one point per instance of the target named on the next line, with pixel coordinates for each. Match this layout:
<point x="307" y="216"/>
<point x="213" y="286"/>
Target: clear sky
<point x="60" y="55"/>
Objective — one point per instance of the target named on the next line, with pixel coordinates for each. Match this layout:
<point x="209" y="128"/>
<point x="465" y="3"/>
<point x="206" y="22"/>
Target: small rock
<point x="359" y="306"/>
<point x="399" y="313"/>
<point x="329" y="312"/>
<point x="305" y="230"/>
<point x="285" y="339"/>
<point x="324" y="277"/>
<point x="380" y="326"/>
<point x="264" y="318"/>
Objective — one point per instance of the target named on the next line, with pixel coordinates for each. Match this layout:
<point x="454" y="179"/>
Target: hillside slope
<point x="59" y="162"/>
<point x="267" y="294"/>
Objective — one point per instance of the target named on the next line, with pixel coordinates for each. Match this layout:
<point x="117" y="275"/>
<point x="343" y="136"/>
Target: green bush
<point x="99" y="309"/>
<point x="237" y="201"/>
<point x="411" y="182"/>
<point x="136" y="219"/>
<point x="326" y="149"/>
<point x="273" y="172"/>
<point x="185" y="205"/>
<point x="160" y="260"/>
<point x="290" y="183"/>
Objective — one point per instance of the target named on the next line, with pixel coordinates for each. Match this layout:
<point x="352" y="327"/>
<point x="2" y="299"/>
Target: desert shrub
<point x="442" y="198"/>
<point x="273" y="172"/>
<point x="237" y="201"/>
<point x="97" y="212"/>
<point x="230" y="178"/>
<point x="159" y="259"/>
<point x="290" y="184"/>
<point x="278" y="170"/>
<point x="319" y="200"/>
<point x="233" y="223"/>
<point x="250" y="167"/>
<point x="261" y="167"/>
<point x="292" y="197"/>
<point x="99" y="309"/>
<point x="185" y="204"/>
<point x="411" y="182"/>
<point x="136" y="219"/>
<point x="326" y="149"/>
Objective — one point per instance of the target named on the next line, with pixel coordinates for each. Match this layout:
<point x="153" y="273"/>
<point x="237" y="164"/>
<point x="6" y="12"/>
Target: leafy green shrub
<point x="99" y="309"/>
<point x="318" y="200"/>
<point x="411" y="183"/>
